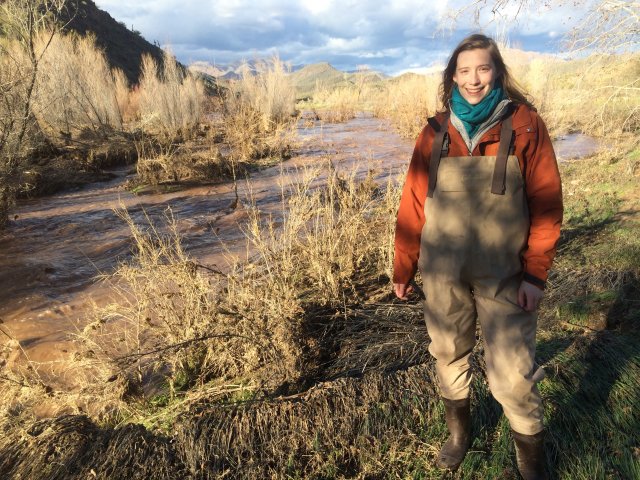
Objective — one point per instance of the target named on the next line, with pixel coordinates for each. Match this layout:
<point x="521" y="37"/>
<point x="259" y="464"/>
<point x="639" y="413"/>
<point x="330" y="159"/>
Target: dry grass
<point x="171" y="100"/>
<point x="408" y="102"/>
<point x="297" y="296"/>
<point x="258" y="119"/>
<point x="598" y="95"/>
<point x="336" y="105"/>
<point x="249" y="328"/>
<point x="76" y="90"/>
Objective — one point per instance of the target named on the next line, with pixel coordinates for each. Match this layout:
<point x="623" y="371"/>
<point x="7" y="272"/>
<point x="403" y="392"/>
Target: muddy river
<point x="55" y="248"/>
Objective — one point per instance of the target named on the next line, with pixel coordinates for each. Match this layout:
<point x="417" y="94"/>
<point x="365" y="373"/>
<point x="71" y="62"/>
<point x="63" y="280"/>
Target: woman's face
<point x="475" y="74"/>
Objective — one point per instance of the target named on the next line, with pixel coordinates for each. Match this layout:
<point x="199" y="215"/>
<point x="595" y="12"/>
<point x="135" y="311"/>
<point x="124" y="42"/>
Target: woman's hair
<point x="473" y="42"/>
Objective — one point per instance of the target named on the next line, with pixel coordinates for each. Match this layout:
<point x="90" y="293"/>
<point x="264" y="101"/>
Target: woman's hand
<point x="529" y="296"/>
<point x="402" y="290"/>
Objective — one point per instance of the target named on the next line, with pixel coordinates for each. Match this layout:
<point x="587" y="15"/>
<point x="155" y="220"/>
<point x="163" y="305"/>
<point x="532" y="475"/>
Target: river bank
<point x="381" y="416"/>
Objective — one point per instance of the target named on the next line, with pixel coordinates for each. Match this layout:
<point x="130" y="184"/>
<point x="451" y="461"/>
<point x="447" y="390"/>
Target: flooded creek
<point x="55" y="248"/>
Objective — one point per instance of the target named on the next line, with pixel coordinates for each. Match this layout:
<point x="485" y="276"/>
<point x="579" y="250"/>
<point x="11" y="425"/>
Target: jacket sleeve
<point x="411" y="212"/>
<point x="544" y="195"/>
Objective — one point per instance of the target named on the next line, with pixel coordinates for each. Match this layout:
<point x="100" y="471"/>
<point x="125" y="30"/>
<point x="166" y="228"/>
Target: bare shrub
<point x="245" y="326"/>
<point x="127" y="107"/>
<point x="76" y="90"/>
<point x="161" y="160"/>
<point x="22" y="22"/>
<point x="170" y="100"/>
<point x="598" y="95"/>
<point x="168" y="313"/>
<point x="408" y="101"/>
<point x="259" y="109"/>
<point x="12" y="88"/>
<point x="336" y="105"/>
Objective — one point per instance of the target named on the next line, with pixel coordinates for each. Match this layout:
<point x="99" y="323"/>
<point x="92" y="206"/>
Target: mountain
<point x="124" y="48"/>
<point x="232" y="71"/>
<point x="323" y="74"/>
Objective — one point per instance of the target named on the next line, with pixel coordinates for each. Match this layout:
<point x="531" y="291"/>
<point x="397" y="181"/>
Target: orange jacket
<point x="542" y="182"/>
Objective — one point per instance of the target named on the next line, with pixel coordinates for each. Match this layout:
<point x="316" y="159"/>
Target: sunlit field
<point x="292" y="358"/>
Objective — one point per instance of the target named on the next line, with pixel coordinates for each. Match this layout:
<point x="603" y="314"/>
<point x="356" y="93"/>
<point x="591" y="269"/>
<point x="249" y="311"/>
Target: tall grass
<point x="408" y="101"/>
<point x="338" y="104"/>
<point x="246" y="325"/>
<point x="259" y="108"/>
<point x="76" y="89"/>
<point x="171" y="99"/>
<point x="598" y="95"/>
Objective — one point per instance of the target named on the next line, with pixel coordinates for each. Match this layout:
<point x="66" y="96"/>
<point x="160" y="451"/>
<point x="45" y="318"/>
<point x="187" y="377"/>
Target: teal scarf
<point x="472" y="116"/>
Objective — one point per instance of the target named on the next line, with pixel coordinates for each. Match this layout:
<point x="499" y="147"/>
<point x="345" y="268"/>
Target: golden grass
<point x="336" y="105"/>
<point x="598" y="95"/>
<point x="259" y="113"/>
<point x="408" y="101"/>
<point x="181" y="330"/>
<point x="170" y="100"/>
<point x="76" y="90"/>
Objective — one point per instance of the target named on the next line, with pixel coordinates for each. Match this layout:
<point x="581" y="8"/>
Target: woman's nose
<point x="475" y="78"/>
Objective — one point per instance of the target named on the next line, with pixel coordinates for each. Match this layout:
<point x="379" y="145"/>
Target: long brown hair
<point x="472" y="42"/>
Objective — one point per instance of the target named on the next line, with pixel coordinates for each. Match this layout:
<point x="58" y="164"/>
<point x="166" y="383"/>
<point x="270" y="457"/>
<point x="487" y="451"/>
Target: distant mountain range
<point x="304" y="77"/>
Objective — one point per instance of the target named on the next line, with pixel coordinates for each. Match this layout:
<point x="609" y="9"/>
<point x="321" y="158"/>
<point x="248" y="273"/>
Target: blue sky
<point x="391" y="37"/>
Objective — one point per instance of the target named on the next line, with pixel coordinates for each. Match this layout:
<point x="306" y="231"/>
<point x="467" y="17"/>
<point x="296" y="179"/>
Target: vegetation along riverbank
<point x="293" y="359"/>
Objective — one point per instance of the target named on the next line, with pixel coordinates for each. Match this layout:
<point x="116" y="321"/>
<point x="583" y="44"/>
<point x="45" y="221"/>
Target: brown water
<point x="576" y="145"/>
<point x="51" y="254"/>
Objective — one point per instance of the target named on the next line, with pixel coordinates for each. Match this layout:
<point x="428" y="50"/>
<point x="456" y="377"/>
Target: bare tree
<point x="608" y="26"/>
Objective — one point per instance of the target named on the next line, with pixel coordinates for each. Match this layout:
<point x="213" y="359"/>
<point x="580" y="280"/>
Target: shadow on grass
<point x="592" y="396"/>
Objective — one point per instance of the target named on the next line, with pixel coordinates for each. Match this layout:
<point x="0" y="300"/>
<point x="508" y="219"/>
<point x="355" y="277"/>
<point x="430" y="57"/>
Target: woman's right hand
<point x="402" y="290"/>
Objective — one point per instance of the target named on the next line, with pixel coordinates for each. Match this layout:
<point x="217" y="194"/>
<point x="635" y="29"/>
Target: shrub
<point x="336" y="105"/>
<point x="247" y="324"/>
<point x="171" y="100"/>
<point x="258" y="119"/>
<point x="76" y="90"/>
<point x="408" y="101"/>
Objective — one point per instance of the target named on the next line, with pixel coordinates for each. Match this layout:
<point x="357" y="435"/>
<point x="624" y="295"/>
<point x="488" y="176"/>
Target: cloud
<point x="388" y="36"/>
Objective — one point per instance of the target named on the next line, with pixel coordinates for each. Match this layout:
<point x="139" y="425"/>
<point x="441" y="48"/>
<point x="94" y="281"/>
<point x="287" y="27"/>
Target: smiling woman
<point x="480" y="216"/>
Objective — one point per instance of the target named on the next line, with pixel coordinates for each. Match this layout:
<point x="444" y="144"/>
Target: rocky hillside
<point x="124" y="48"/>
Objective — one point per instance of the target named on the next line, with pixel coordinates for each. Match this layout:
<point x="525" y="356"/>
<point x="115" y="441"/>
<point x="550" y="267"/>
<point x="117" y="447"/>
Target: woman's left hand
<point x="529" y="296"/>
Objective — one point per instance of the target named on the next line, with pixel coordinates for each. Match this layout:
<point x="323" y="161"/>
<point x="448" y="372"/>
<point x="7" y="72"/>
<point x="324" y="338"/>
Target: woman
<point x="480" y="216"/>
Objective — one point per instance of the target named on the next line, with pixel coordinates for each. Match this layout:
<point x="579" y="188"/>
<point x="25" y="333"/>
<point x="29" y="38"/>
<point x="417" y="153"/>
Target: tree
<point x="608" y="26"/>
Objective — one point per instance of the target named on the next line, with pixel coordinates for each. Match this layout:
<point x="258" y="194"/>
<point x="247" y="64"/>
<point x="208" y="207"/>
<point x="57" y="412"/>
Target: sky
<point x="388" y="36"/>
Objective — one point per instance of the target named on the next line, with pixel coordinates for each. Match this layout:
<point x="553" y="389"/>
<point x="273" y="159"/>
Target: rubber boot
<point x="458" y="417"/>
<point x="530" y="455"/>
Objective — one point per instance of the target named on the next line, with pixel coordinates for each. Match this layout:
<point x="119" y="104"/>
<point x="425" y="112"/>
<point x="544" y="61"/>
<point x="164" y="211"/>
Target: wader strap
<point x="436" y="151"/>
<point x="498" y="186"/>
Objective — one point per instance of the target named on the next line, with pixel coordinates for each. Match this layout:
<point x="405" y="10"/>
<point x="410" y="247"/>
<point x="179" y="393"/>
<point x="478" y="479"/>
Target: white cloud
<point x="389" y="35"/>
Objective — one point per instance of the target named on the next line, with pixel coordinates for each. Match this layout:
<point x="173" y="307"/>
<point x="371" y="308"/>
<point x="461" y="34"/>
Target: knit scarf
<point x="472" y="116"/>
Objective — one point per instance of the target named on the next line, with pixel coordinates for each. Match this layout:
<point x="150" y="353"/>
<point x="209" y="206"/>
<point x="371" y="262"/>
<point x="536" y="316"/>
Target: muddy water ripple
<point x="52" y="253"/>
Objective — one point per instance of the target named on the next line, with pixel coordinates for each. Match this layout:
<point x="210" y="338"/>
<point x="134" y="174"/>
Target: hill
<point x="124" y="48"/>
<point x="325" y="75"/>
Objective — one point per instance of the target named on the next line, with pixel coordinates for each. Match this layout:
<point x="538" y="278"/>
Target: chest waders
<point x="476" y="229"/>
